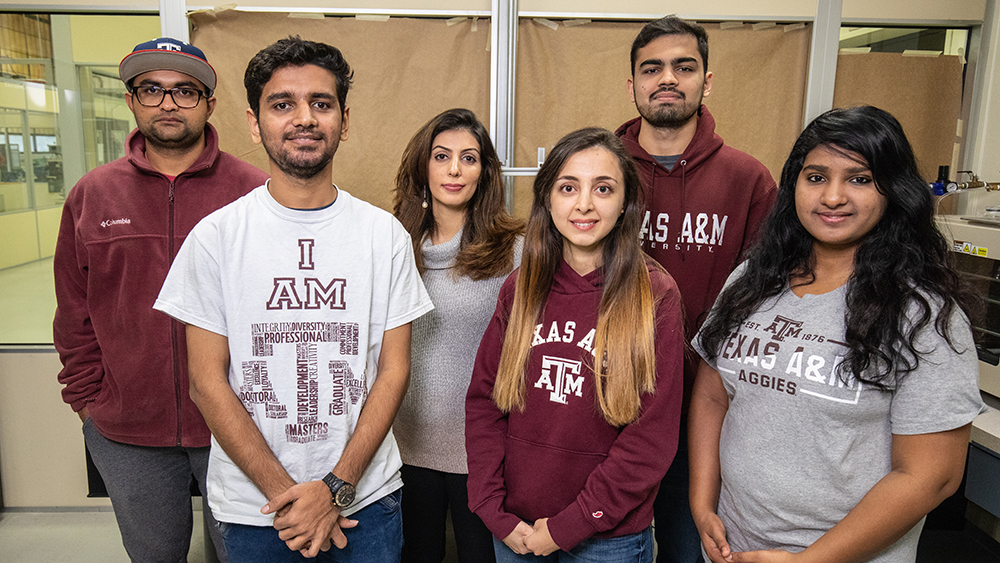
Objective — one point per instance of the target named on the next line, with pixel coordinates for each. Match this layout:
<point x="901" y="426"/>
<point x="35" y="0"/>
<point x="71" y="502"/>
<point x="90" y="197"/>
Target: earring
<point x="424" y="204"/>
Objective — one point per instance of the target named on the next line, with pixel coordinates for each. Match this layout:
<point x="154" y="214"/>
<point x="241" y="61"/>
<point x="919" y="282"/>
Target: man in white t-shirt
<point x="298" y="300"/>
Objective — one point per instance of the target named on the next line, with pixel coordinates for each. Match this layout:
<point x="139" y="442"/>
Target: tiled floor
<point x="79" y="537"/>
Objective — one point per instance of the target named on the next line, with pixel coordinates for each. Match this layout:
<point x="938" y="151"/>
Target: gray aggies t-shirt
<point x="799" y="446"/>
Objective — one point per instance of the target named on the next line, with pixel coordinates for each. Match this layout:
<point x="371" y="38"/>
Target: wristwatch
<point x="342" y="491"/>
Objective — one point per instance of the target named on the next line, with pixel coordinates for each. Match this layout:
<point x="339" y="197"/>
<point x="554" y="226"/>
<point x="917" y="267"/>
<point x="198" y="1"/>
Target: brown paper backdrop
<point x="923" y="93"/>
<point x="409" y="69"/>
<point x="406" y="70"/>
<point x="576" y="77"/>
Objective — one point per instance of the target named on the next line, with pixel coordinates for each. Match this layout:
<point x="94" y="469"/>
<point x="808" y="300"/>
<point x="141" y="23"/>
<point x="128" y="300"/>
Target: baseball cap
<point x="167" y="53"/>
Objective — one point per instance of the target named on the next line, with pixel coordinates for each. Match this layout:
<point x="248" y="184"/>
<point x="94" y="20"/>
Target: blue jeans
<point x="633" y="548"/>
<point x="378" y="538"/>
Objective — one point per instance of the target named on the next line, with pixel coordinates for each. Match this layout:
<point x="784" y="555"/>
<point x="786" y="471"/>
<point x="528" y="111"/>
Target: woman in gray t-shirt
<point x="832" y="410"/>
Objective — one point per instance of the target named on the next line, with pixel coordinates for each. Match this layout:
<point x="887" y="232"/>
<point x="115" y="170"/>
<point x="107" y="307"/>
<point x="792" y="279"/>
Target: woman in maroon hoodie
<point x="564" y="463"/>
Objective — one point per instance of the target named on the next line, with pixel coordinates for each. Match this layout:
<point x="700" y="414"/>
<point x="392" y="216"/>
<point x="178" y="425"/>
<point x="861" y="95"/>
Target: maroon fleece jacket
<point x="121" y="226"/>
<point x="559" y="458"/>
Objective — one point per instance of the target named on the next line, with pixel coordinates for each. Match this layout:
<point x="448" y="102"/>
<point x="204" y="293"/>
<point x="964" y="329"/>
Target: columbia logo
<point x="122" y="221"/>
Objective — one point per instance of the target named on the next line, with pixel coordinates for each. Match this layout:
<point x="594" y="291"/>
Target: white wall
<point x="361" y="6"/>
<point x="881" y="10"/>
<point x="986" y="155"/>
<point x="42" y="462"/>
<point x="81" y="5"/>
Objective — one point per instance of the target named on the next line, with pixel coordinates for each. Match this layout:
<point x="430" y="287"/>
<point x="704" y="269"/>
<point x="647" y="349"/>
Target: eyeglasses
<point x="183" y="97"/>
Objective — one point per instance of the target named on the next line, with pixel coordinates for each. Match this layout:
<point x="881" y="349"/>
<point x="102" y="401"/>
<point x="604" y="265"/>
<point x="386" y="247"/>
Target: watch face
<point x="345" y="495"/>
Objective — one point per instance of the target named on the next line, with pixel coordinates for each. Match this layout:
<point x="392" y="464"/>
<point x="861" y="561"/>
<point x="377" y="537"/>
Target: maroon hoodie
<point x="702" y="215"/>
<point x="121" y="226"/>
<point x="559" y="458"/>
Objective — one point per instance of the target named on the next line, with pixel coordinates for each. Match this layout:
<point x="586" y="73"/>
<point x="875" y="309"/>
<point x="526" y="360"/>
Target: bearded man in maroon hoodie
<point x="124" y="364"/>
<point x="705" y="202"/>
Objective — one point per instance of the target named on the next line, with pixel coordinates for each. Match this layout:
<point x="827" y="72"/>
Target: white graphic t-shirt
<point x="800" y="446"/>
<point x="304" y="298"/>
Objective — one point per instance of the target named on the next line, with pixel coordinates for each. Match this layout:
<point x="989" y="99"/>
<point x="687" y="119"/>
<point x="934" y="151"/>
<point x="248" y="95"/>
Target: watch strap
<point x="341" y="492"/>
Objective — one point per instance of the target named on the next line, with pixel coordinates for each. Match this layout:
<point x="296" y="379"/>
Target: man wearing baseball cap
<point x="124" y="364"/>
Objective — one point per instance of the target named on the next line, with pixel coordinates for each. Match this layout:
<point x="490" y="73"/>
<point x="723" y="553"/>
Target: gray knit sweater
<point x="430" y="425"/>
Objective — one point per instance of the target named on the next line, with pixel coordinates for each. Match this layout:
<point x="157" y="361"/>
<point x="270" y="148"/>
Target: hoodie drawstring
<point x="683" y="165"/>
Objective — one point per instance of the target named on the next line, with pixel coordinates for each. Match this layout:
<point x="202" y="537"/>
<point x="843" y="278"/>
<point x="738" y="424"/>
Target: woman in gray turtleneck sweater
<point x="449" y="195"/>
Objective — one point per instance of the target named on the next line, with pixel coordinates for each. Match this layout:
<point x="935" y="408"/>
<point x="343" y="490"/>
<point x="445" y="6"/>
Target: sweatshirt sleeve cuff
<point x="571" y="526"/>
<point x="499" y="522"/>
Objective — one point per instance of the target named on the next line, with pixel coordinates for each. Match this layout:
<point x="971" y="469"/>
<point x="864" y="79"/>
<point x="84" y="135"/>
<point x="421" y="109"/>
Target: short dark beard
<point x="295" y="170"/>
<point x="184" y="143"/>
<point x="668" y="118"/>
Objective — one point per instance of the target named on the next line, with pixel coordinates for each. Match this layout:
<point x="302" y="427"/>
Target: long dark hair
<point x="627" y="303"/>
<point x="902" y="262"/>
<point x="487" y="246"/>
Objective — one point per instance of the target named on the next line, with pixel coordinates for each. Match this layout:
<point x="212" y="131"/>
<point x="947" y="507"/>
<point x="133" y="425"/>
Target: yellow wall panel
<point x="48" y="230"/>
<point x="93" y="44"/>
<point x="19" y="233"/>
<point x="41" y="98"/>
<point x="13" y="197"/>
<point x="11" y="95"/>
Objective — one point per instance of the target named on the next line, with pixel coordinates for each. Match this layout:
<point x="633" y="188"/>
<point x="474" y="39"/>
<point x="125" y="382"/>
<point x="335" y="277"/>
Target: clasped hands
<point x="535" y="539"/>
<point x="713" y="540"/>
<point x="307" y="520"/>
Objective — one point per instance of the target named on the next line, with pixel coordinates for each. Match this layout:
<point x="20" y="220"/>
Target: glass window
<point x="14" y="192"/>
<point x="107" y="120"/>
<point x="901" y="39"/>
<point x="26" y="48"/>
<point x="918" y="75"/>
<point x="42" y="104"/>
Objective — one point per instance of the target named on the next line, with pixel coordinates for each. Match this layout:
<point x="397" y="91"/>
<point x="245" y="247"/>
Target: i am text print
<point x="307" y="350"/>
<point x="294" y="292"/>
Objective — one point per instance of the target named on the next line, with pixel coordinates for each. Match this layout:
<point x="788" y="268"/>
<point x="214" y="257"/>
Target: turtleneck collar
<point x="441" y="256"/>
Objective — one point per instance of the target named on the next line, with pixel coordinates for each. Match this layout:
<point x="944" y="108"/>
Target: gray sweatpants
<point x="150" y="492"/>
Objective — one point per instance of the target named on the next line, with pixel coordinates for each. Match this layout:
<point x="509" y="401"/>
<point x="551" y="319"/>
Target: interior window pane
<point x="41" y="105"/>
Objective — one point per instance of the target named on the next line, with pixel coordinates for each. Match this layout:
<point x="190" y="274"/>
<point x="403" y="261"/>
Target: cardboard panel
<point x="405" y="72"/>
<point x="923" y="93"/>
<point x="574" y="77"/>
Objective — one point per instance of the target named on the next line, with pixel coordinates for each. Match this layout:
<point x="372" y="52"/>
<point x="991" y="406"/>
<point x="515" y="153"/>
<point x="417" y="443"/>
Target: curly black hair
<point x="900" y="267"/>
